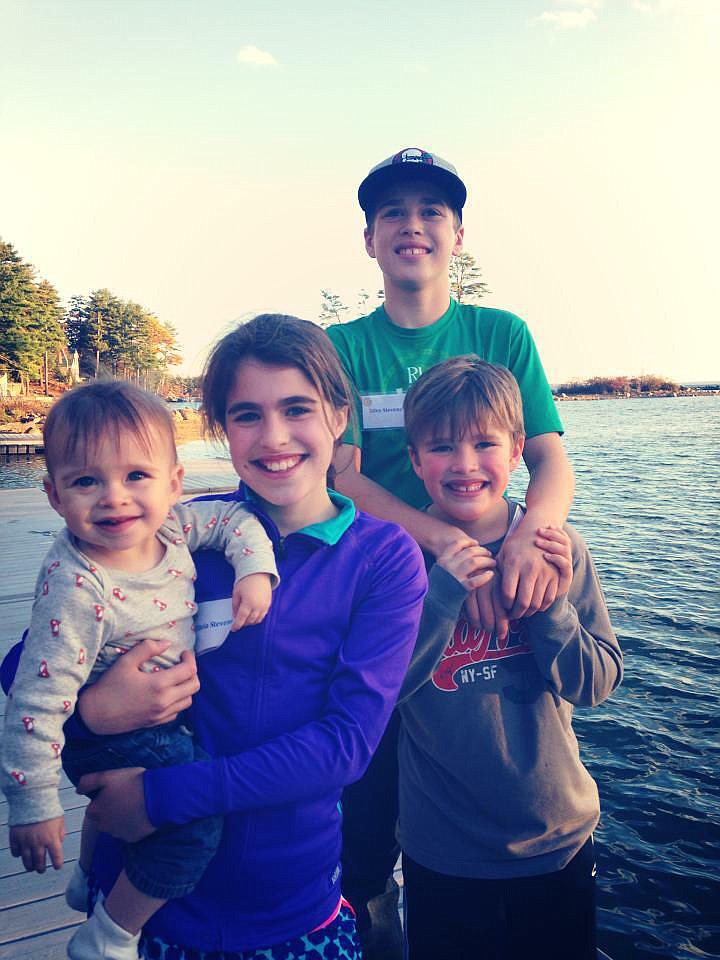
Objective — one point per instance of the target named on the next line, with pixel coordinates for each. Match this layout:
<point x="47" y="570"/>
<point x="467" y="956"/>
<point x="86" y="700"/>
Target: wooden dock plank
<point x="27" y="920"/>
<point x="48" y="945"/>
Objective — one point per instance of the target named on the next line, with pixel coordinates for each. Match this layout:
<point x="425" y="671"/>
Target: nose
<point x="275" y="432"/>
<point x="113" y="493"/>
<point x="464" y="459"/>
<point x="413" y="224"/>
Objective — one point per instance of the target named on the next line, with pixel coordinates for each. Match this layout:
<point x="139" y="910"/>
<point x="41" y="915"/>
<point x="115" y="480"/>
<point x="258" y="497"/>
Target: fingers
<point x="557" y="551"/>
<point x="530" y="593"/>
<point x="248" y="616"/>
<point x="509" y="583"/>
<point x="471" y="610"/>
<point x="560" y="583"/>
<point x="545" y="536"/>
<point x="56" y="854"/>
<point x="459" y="547"/>
<point x="188" y="658"/>
<point x="485" y="606"/>
<point x="30" y="851"/>
<point x="551" y="593"/>
<point x="33" y="857"/>
<point x="32" y="844"/>
<point x="502" y="619"/>
<point x="145" y="650"/>
<point x="468" y="562"/>
<point x="477" y="580"/>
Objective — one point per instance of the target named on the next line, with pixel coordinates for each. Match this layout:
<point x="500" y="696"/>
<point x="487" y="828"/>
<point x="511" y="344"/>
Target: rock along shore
<point x="26" y="415"/>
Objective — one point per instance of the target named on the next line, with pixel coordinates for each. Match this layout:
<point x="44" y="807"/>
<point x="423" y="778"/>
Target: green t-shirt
<point x="382" y="360"/>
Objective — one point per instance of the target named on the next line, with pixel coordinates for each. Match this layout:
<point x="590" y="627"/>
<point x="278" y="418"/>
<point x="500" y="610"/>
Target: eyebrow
<point x="398" y="201"/>
<point x="284" y="402"/>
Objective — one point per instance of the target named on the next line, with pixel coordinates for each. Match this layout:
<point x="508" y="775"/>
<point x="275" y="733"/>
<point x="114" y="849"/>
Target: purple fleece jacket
<point x="290" y="711"/>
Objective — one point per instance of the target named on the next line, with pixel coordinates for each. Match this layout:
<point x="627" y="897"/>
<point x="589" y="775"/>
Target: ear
<point x="459" y="237"/>
<point x="369" y="243"/>
<point x="415" y="461"/>
<point x="176" y="482"/>
<point x="516" y="453"/>
<point x="52" y="494"/>
<point x="339" y="422"/>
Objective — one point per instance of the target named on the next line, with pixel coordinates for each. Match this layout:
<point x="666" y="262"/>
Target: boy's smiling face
<point x="413" y="235"/>
<point x="466" y="476"/>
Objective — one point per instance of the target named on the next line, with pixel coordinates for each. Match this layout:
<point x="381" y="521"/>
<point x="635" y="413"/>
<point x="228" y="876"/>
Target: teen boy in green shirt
<point x="413" y="205"/>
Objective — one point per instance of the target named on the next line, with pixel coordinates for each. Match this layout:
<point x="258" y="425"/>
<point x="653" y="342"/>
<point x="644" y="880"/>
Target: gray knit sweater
<point x="491" y="782"/>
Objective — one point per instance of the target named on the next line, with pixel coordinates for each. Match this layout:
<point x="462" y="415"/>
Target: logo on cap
<point x="413" y="155"/>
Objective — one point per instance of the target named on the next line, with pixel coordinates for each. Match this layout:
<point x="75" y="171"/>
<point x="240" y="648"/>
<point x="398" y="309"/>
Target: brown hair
<point x="277" y="340"/>
<point x="104" y="408"/>
<point x="454" y="396"/>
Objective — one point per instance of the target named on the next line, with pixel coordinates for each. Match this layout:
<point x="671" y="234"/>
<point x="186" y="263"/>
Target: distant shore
<point x="637" y="396"/>
<point x="26" y="415"/>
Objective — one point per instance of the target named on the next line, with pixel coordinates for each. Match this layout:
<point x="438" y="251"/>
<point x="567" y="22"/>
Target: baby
<point x="119" y="571"/>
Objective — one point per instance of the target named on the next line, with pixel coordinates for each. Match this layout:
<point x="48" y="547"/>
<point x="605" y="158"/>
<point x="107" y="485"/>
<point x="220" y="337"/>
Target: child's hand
<point x="557" y="550"/>
<point x="250" y="600"/>
<point x="32" y="840"/>
<point x="472" y="565"/>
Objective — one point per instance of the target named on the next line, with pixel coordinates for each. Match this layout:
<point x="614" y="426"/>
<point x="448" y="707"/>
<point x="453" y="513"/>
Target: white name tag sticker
<point x="383" y="411"/>
<point x="212" y="624"/>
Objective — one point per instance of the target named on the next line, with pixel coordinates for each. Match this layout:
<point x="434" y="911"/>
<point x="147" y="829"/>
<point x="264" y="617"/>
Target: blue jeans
<point x="168" y="863"/>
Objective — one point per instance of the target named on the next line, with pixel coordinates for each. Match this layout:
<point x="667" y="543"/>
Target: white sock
<point x="76" y="892"/>
<point x="101" y="937"/>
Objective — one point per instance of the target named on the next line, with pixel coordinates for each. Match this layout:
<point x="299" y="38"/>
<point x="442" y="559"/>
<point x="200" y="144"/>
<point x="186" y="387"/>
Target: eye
<point x="485" y="444"/>
<point x="297" y="410"/>
<point x="87" y="481"/>
<point x="432" y="212"/>
<point x="137" y="475"/>
<point x="440" y="448"/>
<point x="391" y="213"/>
<point x="245" y="416"/>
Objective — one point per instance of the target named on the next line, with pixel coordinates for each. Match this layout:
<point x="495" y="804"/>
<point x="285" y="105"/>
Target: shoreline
<point x="683" y="395"/>
<point x="186" y="421"/>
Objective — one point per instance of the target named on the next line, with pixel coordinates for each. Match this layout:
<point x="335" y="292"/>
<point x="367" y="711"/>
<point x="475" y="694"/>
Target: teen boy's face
<point x="466" y="476"/>
<point x="413" y="235"/>
<point x="117" y="498"/>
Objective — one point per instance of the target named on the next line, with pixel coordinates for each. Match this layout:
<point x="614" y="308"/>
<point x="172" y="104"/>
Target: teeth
<point x="467" y="487"/>
<point x="275" y="466"/>
<point x="412" y="251"/>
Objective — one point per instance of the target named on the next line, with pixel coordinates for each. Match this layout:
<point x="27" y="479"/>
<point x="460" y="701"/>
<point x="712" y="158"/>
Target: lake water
<point x="647" y="503"/>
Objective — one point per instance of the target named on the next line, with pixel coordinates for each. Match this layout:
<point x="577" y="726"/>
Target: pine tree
<point x="30" y="317"/>
<point x="466" y="283"/>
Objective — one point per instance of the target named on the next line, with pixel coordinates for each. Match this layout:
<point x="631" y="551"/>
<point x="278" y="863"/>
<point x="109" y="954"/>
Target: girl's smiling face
<point x="282" y="437"/>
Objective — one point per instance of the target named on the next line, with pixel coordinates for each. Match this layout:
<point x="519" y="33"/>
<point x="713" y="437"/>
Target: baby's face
<point x="116" y="499"/>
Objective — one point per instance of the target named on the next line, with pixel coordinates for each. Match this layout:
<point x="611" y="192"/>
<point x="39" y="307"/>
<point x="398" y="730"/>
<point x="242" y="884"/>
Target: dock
<point x="14" y="444"/>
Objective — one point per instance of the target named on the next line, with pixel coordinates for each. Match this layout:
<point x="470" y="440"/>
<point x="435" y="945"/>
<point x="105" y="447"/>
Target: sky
<point x="202" y="158"/>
